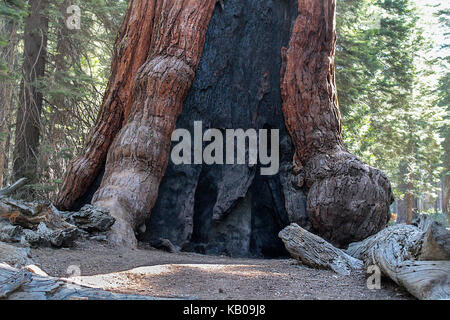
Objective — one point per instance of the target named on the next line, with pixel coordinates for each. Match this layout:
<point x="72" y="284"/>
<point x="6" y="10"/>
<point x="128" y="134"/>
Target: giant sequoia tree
<point x="221" y="64"/>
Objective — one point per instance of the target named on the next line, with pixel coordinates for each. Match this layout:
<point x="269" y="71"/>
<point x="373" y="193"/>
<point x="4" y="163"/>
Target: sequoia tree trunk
<point x="347" y="200"/>
<point x="139" y="153"/>
<point x="157" y="53"/>
<point x="30" y="106"/>
<point x="131" y="50"/>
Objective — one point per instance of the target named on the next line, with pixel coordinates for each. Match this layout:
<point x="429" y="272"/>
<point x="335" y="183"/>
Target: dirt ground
<point x="187" y="275"/>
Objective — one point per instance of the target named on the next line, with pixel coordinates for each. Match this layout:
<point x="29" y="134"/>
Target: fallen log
<point x="436" y="244"/>
<point x="14" y="187"/>
<point x="426" y="280"/>
<point x="36" y="224"/>
<point x="395" y="251"/>
<point x="13" y="283"/>
<point x="41" y="224"/>
<point x="9" y="205"/>
<point x="18" y="284"/>
<point x="10" y="233"/>
<point x="15" y="256"/>
<point x="315" y="252"/>
<point x="90" y="219"/>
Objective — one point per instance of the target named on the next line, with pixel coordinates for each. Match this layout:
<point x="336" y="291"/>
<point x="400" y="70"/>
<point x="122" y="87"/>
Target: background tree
<point x="31" y="97"/>
<point x="386" y="77"/>
<point x="76" y="73"/>
<point x="11" y="18"/>
<point x="347" y="200"/>
<point x="444" y="102"/>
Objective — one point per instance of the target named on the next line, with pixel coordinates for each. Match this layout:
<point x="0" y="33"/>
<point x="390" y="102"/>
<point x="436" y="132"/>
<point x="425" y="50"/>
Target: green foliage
<point x="77" y="70"/>
<point x="11" y="12"/>
<point x="387" y="91"/>
<point x="13" y="9"/>
<point x="77" y="74"/>
<point x="444" y="88"/>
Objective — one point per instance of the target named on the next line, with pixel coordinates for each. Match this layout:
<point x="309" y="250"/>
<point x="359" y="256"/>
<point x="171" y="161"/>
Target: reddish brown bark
<point x="139" y="155"/>
<point x="347" y="200"/>
<point x="131" y="51"/>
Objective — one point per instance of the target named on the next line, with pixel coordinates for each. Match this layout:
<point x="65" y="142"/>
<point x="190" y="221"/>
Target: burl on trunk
<point x="347" y="200"/>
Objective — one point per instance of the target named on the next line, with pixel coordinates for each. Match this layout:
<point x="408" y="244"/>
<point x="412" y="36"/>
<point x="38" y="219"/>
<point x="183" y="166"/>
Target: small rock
<point x="99" y="238"/>
<point x="163" y="244"/>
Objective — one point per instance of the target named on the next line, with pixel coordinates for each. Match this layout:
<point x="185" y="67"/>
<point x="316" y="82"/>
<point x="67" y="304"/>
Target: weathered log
<point x="55" y="237"/>
<point x="436" y="243"/>
<point x="91" y="219"/>
<point x="9" y="232"/>
<point x="18" y="284"/>
<point x="41" y="224"/>
<point x="426" y="280"/>
<point x="15" y="256"/>
<point x="13" y="283"/>
<point x="347" y="200"/>
<point x="138" y="157"/>
<point x="395" y="251"/>
<point x="8" y="206"/>
<point x="315" y="252"/>
<point x="403" y="239"/>
<point x="14" y="187"/>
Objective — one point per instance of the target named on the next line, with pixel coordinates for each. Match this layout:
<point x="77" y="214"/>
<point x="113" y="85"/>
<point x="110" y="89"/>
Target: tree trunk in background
<point x="347" y="200"/>
<point x="6" y="92"/>
<point x="30" y="106"/>
<point x="446" y="197"/>
<point x="62" y="49"/>
<point x="446" y="178"/>
<point x="409" y="199"/>
<point x="401" y="211"/>
<point x="131" y="51"/>
<point x="57" y="76"/>
<point x="409" y="207"/>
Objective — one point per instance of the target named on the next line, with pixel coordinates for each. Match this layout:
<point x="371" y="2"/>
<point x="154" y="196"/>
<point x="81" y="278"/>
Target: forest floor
<point x="158" y="273"/>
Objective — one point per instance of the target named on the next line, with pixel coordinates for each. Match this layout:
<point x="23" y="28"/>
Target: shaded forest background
<point x="393" y="81"/>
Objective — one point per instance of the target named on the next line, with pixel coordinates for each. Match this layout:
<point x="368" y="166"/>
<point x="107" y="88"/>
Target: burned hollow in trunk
<point x="234" y="82"/>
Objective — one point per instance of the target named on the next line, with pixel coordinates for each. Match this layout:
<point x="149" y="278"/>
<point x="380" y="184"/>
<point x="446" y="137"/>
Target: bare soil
<point x="157" y="273"/>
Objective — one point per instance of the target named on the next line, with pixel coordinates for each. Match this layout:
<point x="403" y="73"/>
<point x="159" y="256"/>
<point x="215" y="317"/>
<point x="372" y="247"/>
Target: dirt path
<point x="157" y="273"/>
